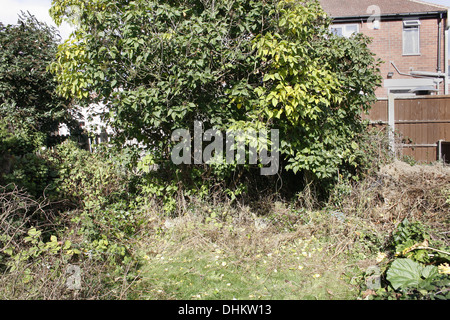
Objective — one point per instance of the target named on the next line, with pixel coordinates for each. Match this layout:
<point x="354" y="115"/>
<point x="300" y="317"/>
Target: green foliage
<point x="414" y="272"/>
<point x="30" y="108"/>
<point x="19" y="142"/>
<point x="96" y="221"/>
<point x="406" y="273"/>
<point x="95" y="183"/>
<point x="415" y="281"/>
<point x="22" y="161"/>
<point x="28" y="99"/>
<point x="247" y="63"/>
<point x="409" y="160"/>
<point x="315" y="87"/>
<point x="38" y="248"/>
<point x="33" y="173"/>
<point x="160" y="76"/>
<point x="407" y="236"/>
<point x="84" y="177"/>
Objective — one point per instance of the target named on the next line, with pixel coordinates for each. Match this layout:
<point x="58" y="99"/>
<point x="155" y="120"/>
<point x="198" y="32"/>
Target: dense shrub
<point x="238" y="65"/>
<point x="87" y="221"/>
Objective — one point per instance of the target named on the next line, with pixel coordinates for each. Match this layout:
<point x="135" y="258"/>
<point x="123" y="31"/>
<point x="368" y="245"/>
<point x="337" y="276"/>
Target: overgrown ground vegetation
<point x="128" y="246"/>
<point x="341" y="219"/>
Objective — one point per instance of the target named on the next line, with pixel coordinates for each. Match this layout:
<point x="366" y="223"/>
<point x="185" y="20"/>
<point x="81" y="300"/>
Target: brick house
<point x="410" y="36"/>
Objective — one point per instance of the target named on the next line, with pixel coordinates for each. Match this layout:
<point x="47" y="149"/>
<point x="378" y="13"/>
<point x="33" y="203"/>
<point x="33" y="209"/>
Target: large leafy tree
<point x="160" y="65"/>
<point x="30" y="108"/>
<point x="28" y="99"/>
<point x="316" y="86"/>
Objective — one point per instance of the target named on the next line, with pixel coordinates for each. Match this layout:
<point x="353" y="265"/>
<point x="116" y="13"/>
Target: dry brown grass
<point x="372" y="207"/>
<point x="28" y="271"/>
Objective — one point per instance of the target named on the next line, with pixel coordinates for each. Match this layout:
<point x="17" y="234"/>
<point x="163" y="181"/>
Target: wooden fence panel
<point x="420" y="122"/>
<point x="378" y="113"/>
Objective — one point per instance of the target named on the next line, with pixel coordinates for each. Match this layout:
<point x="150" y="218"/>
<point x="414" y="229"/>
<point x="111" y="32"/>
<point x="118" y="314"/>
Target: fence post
<point x="391" y="121"/>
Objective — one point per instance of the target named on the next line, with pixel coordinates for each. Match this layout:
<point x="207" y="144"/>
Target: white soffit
<point x="408" y="83"/>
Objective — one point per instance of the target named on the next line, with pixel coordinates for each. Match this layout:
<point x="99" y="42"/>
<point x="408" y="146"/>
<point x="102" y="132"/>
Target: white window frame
<point x="345" y="32"/>
<point x="410" y="24"/>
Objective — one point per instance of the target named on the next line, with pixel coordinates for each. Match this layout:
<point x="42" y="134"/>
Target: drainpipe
<point x="439" y="44"/>
<point x="418" y="74"/>
<point x="427" y="74"/>
<point x="446" y="56"/>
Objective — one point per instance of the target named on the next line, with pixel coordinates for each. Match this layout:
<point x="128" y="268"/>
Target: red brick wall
<point x="388" y="46"/>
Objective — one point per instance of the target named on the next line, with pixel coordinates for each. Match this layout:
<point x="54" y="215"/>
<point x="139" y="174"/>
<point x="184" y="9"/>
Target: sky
<point x="9" y="10"/>
<point x="443" y="2"/>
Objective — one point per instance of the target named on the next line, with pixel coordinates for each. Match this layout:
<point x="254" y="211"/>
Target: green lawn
<point x="207" y="260"/>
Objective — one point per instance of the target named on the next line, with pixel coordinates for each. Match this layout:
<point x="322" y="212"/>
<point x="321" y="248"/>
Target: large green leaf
<point x="429" y="272"/>
<point x="405" y="273"/>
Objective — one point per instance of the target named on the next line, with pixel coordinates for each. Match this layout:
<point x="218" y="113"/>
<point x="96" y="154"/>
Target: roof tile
<point x="350" y="8"/>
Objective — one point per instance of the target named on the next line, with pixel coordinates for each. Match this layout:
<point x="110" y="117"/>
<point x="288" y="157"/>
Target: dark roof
<point x="352" y="8"/>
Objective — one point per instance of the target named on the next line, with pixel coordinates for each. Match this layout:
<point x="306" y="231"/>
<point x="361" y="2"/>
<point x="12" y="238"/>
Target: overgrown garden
<point x="341" y="219"/>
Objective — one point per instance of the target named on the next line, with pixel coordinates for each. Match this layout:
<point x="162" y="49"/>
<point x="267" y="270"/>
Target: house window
<point x="411" y="37"/>
<point x="344" y="30"/>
